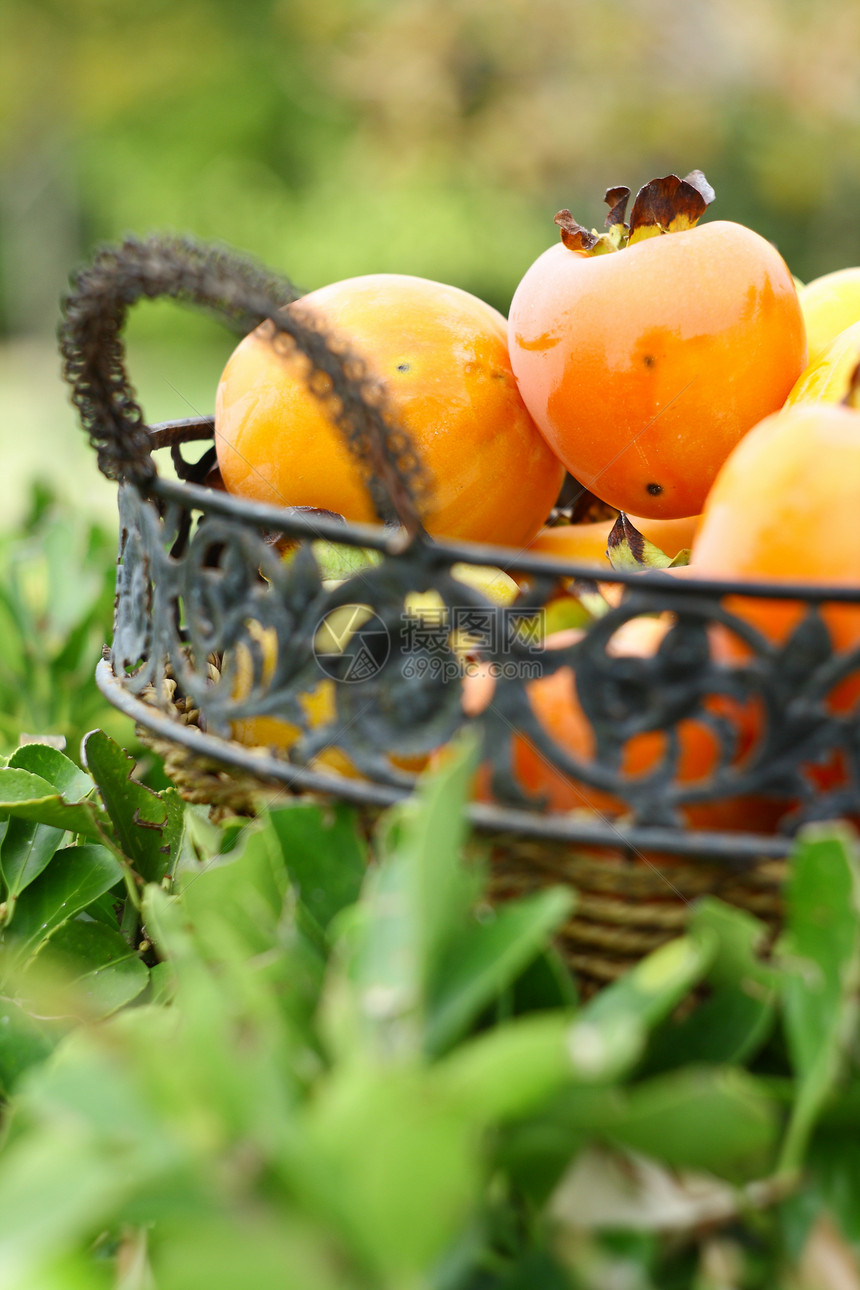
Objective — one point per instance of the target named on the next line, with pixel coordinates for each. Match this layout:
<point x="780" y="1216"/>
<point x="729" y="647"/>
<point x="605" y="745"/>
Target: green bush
<point x="271" y="1054"/>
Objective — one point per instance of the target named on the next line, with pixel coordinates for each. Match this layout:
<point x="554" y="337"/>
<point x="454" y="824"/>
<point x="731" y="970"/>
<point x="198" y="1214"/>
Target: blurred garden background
<point x="357" y="1075"/>
<point x="333" y="137"/>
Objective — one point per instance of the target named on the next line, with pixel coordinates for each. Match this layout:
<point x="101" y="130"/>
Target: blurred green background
<point x="332" y="137"/>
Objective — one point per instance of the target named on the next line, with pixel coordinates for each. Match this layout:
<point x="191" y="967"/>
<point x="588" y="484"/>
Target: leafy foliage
<point x="237" y="1053"/>
<point x="57" y="586"/>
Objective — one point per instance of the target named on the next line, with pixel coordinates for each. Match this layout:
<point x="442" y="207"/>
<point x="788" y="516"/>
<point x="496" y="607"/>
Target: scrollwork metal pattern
<point x="194" y="598"/>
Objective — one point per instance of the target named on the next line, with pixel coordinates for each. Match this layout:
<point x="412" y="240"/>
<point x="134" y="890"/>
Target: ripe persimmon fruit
<point x="645" y="353"/>
<point x="830" y="304"/>
<point x="827" y="378"/>
<point x="785" y="507"/>
<point x="554" y="699"/>
<point x="441" y="356"/>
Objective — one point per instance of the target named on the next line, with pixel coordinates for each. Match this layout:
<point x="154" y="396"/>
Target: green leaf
<point x="611" y="1032"/>
<point x="415" y="903"/>
<point x="99" y="962"/>
<point x="702" y="1117"/>
<point x="719" y="1119"/>
<point x="148" y="825"/>
<point x="441" y="889"/>
<point x="54" y="766"/>
<point x="27" y="848"/>
<point x="732" y="1023"/>
<point x="325" y="858"/>
<point x="41" y="790"/>
<point x="406" y="1155"/>
<point x="254" y="864"/>
<point x="512" y="1070"/>
<point x="78" y="876"/>
<point x="820" y="956"/>
<point x="23" y="1043"/>
<point x="336" y="561"/>
<point x="222" y="1251"/>
<point x="486" y="958"/>
<point x="28" y="797"/>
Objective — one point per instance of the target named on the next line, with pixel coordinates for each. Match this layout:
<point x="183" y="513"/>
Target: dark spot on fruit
<point x="403" y="367"/>
<point x="654" y="489"/>
<point x="649" y="360"/>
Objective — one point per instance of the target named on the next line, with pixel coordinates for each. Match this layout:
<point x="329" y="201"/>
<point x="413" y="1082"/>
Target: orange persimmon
<point x="441" y="357"/>
<point x="644" y="354"/>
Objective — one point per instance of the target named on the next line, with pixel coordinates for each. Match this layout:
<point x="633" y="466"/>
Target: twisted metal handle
<point x="242" y="294"/>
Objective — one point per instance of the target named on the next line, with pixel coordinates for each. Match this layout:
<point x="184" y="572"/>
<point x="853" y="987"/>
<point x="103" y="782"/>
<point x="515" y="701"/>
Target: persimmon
<point x="785" y="507"/>
<point x="554" y="699"/>
<point x="830" y="304"/>
<point x="828" y="377"/>
<point x="441" y="356"/>
<point x="645" y="353"/>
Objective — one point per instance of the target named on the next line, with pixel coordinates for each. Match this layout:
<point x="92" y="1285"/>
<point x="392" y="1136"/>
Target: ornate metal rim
<point x="487" y="819"/>
<point x="697" y="595"/>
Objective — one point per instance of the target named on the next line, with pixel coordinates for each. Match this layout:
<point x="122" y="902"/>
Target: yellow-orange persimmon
<point x="785" y="508"/>
<point x="827" y="379"/>
<point x="830" y="304"/>
<point x="554" y="699"/>
<point x="441" y="356"/>
<point x="644" y="365"/>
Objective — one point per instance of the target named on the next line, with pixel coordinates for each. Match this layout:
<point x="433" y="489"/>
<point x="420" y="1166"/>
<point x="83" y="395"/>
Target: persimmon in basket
<point x="785" y="507"/>
<point x="441" y="356"/>
<point x="646" y="352"/>
<point x="554" y="699"/>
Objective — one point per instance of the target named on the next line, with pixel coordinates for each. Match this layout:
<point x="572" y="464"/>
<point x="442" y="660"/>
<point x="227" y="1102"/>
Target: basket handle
<point x="241" y="294"/>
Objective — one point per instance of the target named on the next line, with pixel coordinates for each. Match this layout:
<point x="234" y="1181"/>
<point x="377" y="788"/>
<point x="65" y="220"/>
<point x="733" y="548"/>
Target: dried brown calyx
<point x="629" y="550"/>
<point x="667" y="205"/>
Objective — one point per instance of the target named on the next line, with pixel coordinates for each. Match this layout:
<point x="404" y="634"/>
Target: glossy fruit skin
<point x="827" y="378"/>
<point x="785" y="506"/>
<point x="830" y="304"/>
<point x="644" y="367"/>
<point x="441" y="354"/>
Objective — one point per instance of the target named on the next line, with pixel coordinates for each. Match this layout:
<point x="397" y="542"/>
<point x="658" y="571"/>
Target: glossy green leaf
<point x="148" y="826"/>
<point x="26" y="849"/>
<point x="79" y="875"/>
<point x="29" y="798"/>
<point x="104" y="969"/>
<point x="54" y="766"/>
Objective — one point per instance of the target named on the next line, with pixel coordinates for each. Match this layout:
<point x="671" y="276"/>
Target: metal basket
<point x="213" y="628"/>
